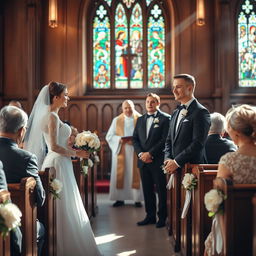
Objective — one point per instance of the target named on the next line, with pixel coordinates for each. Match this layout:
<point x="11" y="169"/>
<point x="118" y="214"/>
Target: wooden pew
<point x="197" y="225"/>
<point x="47" y="214"/>
<point x="94" y="190"/>
<point x="4" y="243"/>
<point x="254" y="224"/>
<point x="81" y="181"/>
<point x="23" y="196"/>
<point x="174" y="211"/>
<point x="237" y="217"/>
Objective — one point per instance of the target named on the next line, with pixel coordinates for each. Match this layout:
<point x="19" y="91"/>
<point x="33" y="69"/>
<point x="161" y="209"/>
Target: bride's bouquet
<point x="90" y="142"/>
<point x="10" y="216"/>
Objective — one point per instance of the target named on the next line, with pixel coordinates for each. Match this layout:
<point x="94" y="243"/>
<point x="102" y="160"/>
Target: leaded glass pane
<point x="128" y="3"/>
<point x="108" y="2"/>
<point x="136" y="44"/>
<point x="148" y="2"/>
<point x="121" y="44"/>
<point x="247" y="44"/>
<point x="101" y="49"/>
<point x="156" y="49"/>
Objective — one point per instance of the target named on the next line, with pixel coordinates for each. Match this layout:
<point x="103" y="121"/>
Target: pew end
<point x="23" y="195"/>
<point x="5" y="242"/>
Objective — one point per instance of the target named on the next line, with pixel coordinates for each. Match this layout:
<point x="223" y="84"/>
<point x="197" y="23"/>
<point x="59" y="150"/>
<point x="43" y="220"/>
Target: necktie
<point x="180" y="107"/>
<point x="148" y="116"/>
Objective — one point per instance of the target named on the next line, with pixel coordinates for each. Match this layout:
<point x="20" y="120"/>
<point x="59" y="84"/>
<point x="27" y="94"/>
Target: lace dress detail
<point x="242" y="167"/>
<point x="74" y="233"/>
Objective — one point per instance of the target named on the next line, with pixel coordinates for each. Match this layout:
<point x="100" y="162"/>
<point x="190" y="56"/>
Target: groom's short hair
<point x="12" y="119"/>
<point x="188" y="78"/>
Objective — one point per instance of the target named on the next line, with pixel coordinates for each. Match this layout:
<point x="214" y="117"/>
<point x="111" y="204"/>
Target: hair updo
<point x="243" y="119"/>
<point x="55" y="89"/>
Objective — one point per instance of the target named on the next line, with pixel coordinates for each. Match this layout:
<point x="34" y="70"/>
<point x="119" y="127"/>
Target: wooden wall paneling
<point x="165" y="108"/>
<point x="139" y="108"/>
<point x="15" y="49"/>
<point x="74" y="115"/>
<point x="1" y="49"/>
<point x="106" y="117"/>
<point x="92" y="117"/>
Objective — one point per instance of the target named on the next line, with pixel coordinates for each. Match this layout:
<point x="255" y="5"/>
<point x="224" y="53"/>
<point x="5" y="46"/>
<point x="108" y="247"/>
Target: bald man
<point x="125" y="181"/>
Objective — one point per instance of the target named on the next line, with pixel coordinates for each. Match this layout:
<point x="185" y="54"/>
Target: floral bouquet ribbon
<point x="189" y="183"/>
<point x="217" y="243"/>
<point x="170" y="183"/>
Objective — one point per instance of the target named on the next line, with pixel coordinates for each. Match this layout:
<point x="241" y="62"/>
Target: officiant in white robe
<point x="125" y="183"/>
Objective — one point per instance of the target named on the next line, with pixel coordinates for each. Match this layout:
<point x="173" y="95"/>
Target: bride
<point x="74" y="233"/>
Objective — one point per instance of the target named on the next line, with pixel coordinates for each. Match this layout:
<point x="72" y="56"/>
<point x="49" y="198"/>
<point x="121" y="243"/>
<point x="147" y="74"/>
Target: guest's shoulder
<point x="26" y="155"/>
<point x="228" y="157"/>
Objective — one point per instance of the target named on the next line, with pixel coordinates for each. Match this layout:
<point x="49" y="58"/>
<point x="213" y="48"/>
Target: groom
<point x="189" y="127"/>
<point x="148" y="140"/>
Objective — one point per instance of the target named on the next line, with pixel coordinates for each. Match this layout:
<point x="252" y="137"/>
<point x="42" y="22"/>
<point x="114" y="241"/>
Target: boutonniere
<point x="184" y="112"/>
<point x="156" y="120"/>
<point x="156" y="125"/>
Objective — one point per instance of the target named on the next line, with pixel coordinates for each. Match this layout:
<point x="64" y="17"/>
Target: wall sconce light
<point x="200" y="13"/>
<point x="53" y="13"/>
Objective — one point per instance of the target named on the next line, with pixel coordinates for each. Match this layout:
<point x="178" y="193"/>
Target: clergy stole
<point x="121" y="157"/>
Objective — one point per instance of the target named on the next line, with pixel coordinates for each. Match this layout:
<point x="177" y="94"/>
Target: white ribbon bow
<point x="186" y="204"/>
<point x="170" y="183"/>
<point x="217" y="243"/>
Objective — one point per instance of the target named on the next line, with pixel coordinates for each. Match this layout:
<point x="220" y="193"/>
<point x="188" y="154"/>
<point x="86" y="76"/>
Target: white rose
<point x="212" y="200"/>
<point x="187" y="180"/>
<point x="90" y="163"/>
<point x="56" y="185"/>
<point x="11" y="215"/>
<point x="183" y="112"/>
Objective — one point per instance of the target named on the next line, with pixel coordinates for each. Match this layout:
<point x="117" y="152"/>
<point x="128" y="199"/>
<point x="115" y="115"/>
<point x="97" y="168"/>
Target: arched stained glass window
<point x="129" y="44"/>
<point x="247" y="44"/>
<point x="101" y="49"/>
<point x="156" y="49"/>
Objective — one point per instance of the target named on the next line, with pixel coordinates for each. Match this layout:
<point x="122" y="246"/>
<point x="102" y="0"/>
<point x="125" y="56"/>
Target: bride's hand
<point x="82" y="154"/>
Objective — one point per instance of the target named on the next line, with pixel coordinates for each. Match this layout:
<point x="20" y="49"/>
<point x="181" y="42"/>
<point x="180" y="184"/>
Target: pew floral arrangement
<point x="90" y="142"/>
<point x="10" y="216"/>
<point x="213" y="201"/>
<point x="55" y="188"/>
<point x="189" y="182"/>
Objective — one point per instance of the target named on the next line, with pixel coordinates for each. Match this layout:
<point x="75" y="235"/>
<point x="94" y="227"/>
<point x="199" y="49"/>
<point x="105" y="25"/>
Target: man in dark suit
<point x="19" y="163"/>
<point x="16" y="236"/>
<point x="216" y="146"/>
<point x="189" y="127"/>
<point x="149" y="139"/>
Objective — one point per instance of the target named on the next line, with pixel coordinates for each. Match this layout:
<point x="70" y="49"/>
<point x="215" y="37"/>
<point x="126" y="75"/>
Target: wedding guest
<point x="125" y="183"/>
<point x="240" y="166"/>
<point x="18" y="163"/>
<point x="148" y="139"/>
<point x="216" y="145"/>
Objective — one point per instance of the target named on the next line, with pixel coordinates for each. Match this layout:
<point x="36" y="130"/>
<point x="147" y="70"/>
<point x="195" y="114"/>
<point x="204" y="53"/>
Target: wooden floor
<point x="116" y="232"/>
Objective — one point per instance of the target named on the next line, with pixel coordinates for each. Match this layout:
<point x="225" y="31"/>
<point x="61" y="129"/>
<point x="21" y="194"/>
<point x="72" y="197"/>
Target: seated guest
<point x="240" y="166"/>
<point x="216" y="145"/>
<point x="19" y="163"/>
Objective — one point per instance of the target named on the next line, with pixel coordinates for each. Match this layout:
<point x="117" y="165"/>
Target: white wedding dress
<point x="74" y="233"/>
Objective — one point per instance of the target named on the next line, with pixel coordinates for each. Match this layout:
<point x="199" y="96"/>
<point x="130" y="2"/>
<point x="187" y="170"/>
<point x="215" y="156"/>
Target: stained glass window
<point x="132" y="55"/>
<point x="136" y="45"/>
<point x="101" y="49"/>
<point x="156" y="49"/>
<point x="121" y="44"/>
<point x="247" y="44"/>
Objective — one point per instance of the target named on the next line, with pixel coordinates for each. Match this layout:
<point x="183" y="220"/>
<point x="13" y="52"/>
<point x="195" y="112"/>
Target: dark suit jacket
<point x="16" y="236"/>
<point x="155" y="142"/>
<point x="187" y="144"/>
<point x="18" y="164"/>
<point x="216" y="147"/>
